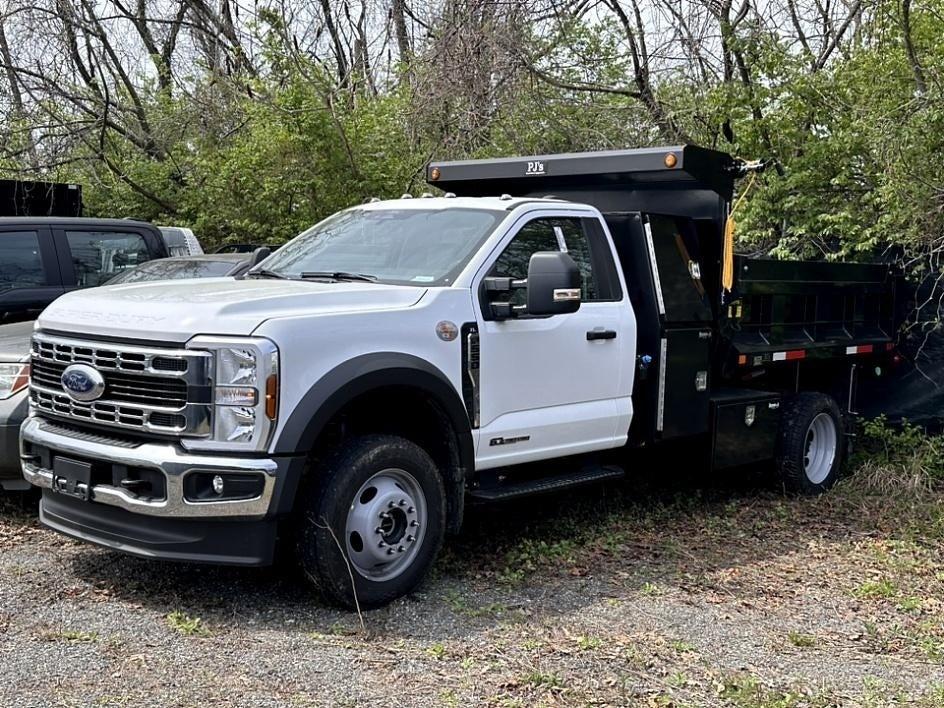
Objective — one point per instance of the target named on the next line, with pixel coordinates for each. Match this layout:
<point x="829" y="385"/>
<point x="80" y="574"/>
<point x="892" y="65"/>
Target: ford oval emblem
<point x="82" y="382"/>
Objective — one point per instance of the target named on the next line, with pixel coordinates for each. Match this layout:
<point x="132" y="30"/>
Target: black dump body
<point x="666" y="209"/>
<point x="19" y="198"/>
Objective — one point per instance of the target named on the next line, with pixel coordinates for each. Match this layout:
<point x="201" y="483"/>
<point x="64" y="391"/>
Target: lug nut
<point x="390" y="504"/>
<point x="402" y="502"/>
<point x="381" y="545"/>
<point x="410" y="539"/>
<point x="414" y="523"/>
<point x="400" y="549"/>
<point x="410" y="510"/>
<point x="390" y="551"/>
<point x="384" y="515"/>
<point x="378" y="531"/>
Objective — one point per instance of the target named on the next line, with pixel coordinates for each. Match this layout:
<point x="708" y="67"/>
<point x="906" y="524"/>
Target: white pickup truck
<point x="351" y="391"/>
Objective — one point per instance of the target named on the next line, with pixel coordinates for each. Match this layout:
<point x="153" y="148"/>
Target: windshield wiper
<point x="266" y="273"/>
<point x="339" y="275"/>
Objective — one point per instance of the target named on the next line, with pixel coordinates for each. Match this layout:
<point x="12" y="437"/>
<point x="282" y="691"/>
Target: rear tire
<point x="812" y="443"/>
<point x="371" y="520"/>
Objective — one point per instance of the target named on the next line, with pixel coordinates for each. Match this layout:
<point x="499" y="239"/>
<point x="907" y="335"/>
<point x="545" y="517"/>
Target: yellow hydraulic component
<point x="727" y="272"/>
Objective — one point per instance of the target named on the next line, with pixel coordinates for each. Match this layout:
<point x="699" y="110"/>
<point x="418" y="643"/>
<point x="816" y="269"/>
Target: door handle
<point x="601" y="334"/>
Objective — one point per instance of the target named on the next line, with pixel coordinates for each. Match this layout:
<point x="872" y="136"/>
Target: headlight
<point x="243" y="392"/>
<point x="13" y="378"/>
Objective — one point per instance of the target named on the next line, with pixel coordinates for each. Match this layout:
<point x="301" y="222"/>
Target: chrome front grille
<point x="150" y="390"/>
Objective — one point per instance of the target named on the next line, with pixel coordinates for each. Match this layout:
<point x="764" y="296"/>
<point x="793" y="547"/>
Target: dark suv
<point x="43" y="257"/>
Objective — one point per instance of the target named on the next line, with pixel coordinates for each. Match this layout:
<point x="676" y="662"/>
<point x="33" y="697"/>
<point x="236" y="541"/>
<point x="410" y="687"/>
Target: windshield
<point x="173" y="270"/>
<point x="399" y="246"/>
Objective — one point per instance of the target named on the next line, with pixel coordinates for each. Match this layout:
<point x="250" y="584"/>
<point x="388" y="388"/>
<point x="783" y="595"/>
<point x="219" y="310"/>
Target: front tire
<point x="812" y="443"/>
<point x="371" y="521"/>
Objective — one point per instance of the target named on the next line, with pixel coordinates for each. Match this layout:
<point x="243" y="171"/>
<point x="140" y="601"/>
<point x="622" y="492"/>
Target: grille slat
<point x="121" y="387"/>
<point x="147" y="391"/>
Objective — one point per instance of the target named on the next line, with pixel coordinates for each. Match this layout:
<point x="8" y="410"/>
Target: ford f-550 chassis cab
<point x="355" y="388"/>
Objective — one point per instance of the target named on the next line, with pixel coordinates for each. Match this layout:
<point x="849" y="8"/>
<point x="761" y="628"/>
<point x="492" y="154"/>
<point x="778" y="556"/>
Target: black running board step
<point x="546" y="485"/>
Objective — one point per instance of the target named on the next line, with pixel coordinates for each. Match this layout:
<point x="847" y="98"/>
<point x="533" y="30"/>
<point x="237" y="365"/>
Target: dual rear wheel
<point x="812" y="443"/>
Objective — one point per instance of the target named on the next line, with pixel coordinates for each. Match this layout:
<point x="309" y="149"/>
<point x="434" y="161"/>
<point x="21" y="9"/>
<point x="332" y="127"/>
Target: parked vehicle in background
<point x="14" y="401"/>
<point x="403" y="356"/>
<point x="180" y="241"/>
<point x="243" y="247"/>
<point x="43" y="257"/>
<point x="15" y="346"/>
<point x="207" y="265"/>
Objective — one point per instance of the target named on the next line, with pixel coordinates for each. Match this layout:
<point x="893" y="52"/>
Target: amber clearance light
<point x="272" y="397"/>
<point x="434" y="174"/>
<point x="671" y="160"/>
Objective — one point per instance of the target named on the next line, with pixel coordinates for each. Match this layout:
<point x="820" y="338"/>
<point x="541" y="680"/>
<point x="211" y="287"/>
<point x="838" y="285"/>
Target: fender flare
<point x="368" y="372"/>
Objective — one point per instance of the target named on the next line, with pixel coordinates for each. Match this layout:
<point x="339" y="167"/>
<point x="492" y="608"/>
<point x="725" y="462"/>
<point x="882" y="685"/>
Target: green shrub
<point x="899" y="458"/>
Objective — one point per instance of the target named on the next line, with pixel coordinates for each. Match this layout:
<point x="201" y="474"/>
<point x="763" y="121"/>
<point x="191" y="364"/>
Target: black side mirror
<point x="553" y="284"/>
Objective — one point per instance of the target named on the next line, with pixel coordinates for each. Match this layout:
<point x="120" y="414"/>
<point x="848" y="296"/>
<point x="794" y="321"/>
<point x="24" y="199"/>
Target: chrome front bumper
<point x="167" y="458"/>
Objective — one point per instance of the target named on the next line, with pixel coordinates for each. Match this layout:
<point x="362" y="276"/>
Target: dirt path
<point x="614" y="597"/>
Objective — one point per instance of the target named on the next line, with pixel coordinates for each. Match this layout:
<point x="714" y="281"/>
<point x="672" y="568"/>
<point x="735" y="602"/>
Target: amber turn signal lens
<point x="272" y="397"/>
<point x="434" y="174"/>
<point x="671" y="160"/>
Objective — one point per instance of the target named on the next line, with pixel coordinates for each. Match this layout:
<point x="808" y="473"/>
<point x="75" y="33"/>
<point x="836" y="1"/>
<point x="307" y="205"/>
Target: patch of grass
<point x="798" y="639"/>
<point x="186" y="625"/>
<point x="910" y="604"/>
<point x="899" y="459"/>
<point x="589" y="643"/>
<point x="71" y="635"/>
<point x="683" y="647"/>
<point x="542" y="679"/>
<point x="748" y="692"/>
<point x="437" y="651"/>
<point x="651" y="589"/>
<point x="875" y="589"/>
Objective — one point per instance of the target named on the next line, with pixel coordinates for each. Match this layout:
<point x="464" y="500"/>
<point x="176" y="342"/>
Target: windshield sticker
<point x="423" y="279"/>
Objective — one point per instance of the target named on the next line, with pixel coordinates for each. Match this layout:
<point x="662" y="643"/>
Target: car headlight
<point x="244" y="389"/>
<point x="14" y="377"/>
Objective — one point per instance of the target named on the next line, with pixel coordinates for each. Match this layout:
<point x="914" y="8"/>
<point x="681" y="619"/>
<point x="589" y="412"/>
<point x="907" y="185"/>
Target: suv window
<point x="98" y="255"/>
<point x="547" y="234"/>
<point x="21" y="265"/>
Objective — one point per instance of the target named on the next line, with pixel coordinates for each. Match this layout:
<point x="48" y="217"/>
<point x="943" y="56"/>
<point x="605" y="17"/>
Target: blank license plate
<point x="72" y="477"/>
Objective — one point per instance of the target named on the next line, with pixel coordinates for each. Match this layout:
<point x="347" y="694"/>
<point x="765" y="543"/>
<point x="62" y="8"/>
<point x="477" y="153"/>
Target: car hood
<point x="174" y="311"/>
<point x="15" y="340"/>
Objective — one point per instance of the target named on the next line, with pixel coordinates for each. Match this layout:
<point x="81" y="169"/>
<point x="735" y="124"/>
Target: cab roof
<point x="493" y="202"/>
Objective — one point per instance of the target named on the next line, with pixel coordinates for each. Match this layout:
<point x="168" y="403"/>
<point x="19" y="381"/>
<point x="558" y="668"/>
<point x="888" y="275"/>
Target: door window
<point x="21" y="265"/>
<point x="547" y="234"/>
<point x="98" y="255"/>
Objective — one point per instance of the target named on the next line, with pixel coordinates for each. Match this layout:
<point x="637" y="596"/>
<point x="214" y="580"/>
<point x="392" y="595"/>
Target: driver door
<point x="556" y="385"/>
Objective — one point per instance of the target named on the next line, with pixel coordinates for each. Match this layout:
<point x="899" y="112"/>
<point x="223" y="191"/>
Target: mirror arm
<point x="504" y="285"/>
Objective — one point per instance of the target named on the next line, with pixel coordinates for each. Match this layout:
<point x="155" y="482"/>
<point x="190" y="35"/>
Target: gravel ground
<point x="617" y="596"/>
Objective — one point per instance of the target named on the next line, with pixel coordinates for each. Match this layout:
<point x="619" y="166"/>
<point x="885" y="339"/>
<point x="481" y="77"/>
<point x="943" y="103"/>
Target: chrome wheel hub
<point x="821" y="443"/>
<point x="386" y="524"/>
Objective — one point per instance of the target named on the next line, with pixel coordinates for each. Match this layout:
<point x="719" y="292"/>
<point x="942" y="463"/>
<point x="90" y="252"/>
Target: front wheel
<point x="371" y="521"/>
<point x="812" y="443"/>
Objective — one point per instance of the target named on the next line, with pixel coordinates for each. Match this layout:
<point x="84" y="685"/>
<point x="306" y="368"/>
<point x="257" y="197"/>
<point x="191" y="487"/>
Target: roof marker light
<point x="450" y="195"/>
<point x="406" y="195"/>
<point x="434" y="174"/>
<point x="505" y="197"/>
<point x="670" y="160"/>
